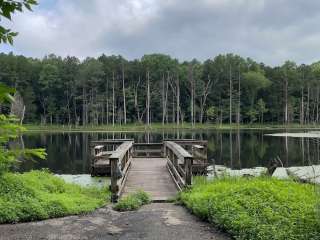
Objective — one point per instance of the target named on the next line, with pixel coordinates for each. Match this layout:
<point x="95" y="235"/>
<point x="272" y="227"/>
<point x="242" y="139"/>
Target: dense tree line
<point x="158" y="88"/>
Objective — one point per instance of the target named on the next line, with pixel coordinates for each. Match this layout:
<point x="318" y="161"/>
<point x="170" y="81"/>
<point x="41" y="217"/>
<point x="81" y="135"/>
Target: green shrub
<point x="133" y="201"/>
<point x="257" y="208"/>
<point x="39" y="195"/>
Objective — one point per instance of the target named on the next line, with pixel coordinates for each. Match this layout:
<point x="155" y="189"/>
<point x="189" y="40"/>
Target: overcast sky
<point x="269" y="31"/>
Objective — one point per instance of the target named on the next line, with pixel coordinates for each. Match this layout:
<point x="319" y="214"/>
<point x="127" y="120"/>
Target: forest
<point x="160" y="89"/>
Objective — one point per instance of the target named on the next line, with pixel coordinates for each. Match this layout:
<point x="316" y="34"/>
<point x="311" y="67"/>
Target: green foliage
<point x="7" y="8"/>
<point x="257" y="208"/>
<point x="211" y="113"/>
<point x="253" y="82"/>
<point x="133" y="201"/>
<point x="39" y="195"/>
<point x="9" y="130"/>
<point x="70" y="91"/>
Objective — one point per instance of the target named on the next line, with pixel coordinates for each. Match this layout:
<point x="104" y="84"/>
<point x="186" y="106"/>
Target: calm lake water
<point x="68" y="153"/>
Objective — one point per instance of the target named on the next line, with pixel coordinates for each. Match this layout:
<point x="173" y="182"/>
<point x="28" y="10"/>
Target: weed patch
<point x="39" y="195"/>
<point x="258" y="208"/>
<point x="133" y="201"/>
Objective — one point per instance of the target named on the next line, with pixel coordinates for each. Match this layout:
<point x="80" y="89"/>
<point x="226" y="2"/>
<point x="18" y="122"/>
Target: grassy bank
<point x="258" y="208"/>
<point x="39" y="195"/>
<point x="133" y="201"/>
<point x="159" y="126"/>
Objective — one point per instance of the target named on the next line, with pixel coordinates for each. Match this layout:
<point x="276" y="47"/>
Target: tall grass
<point x="258" y="208"/>
<point x="39" y="195"/>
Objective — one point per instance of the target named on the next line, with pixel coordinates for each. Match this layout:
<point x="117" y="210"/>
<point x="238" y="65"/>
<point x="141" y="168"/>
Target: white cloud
<point x="270" y="31"/>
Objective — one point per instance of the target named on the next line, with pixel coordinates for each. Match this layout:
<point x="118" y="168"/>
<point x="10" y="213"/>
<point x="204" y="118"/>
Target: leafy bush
<point x="133" y="201"/>
<point x="257" y="208"/>
<point x="40" y="195"/>
<point x="9" y="130"/>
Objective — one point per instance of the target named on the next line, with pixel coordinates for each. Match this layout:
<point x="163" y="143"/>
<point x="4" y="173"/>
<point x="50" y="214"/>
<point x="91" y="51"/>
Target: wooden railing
<point x="199" y="151"/>
<point x="179" y="164"/>
<point x="120" y="162"/>
<point x="148" y="150"/>
<point x="101" y="150"/>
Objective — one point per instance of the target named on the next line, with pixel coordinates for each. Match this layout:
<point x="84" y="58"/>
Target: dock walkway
<point x="150" y="175"/>
<point x="160" y="169"/>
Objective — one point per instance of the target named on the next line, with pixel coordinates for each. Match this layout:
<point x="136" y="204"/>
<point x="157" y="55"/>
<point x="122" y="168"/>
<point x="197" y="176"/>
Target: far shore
<point x="134" y="127"/>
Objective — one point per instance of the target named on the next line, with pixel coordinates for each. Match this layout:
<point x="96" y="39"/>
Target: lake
<point x="68" y="153"/>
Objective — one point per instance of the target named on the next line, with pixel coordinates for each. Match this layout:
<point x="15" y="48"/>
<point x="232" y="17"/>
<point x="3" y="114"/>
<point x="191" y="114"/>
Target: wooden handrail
<point x="109" y="141"/>
<point x="177" y="149"/>
<point x="120" y="162"/>
<point x="174" y="152"/>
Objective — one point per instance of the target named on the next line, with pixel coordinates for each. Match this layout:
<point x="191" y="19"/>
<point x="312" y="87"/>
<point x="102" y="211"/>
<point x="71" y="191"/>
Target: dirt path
<point x="155" y="221"/>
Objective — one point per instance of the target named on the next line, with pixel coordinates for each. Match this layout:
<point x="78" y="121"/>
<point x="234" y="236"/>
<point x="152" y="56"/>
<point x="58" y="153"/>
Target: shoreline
<point x="159" y="127"/>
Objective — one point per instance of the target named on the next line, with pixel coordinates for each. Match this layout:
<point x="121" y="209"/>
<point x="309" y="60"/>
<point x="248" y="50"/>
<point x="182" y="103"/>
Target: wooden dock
<point x="150" y="175"/>
<point x="160" y="169"/>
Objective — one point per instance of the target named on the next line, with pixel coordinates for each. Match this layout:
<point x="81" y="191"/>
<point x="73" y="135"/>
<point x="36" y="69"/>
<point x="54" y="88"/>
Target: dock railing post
<point x="188" y="170"/>
<point x="114" y="179"/>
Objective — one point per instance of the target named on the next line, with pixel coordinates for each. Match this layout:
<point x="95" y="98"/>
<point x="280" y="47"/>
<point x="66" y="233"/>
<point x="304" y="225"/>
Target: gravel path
<point x="154" y="221"/>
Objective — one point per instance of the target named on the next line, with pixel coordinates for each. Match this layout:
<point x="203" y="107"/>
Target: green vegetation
<point x="158" y="126"/>
<point x="133" y="201"/>
<point x="7" y="8"/>
<point x="9" y="130"/>
<point x="39" y="195"/>
<point x="111" y="90"/>
<point x="256" y="208"/>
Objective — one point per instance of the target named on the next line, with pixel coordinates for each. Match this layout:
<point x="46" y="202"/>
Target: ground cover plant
<point x="256" y="208"/>
<point x="133" y="201"/>
<point x="40" y="195"/>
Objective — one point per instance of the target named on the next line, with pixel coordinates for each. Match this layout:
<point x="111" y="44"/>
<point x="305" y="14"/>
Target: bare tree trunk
<point x="239" y="97"/>
<point x="124" y="97"/>
<point x="83" y="106"/>
<point x="302" y="108"/>
<point x="148" y="98"/>
<point x="173" y="105"/>
<point x="166" y="98"/>
<point x="113" y="100"/>
<point x="317" y="106"/>
<point x="204" y="97"/>
<point x="230" y="93"/>
<point x="75" y="112"/>
<point x="178" y="100"/>
<point x="191" y="80"/>
<point x="308" y="105"/>
<point x="164" y="95"/>
<point x="136" y="104"/>
<point x="107" y="109"/>
<point x="286" y="99"/>
<point x="231" y="149"/>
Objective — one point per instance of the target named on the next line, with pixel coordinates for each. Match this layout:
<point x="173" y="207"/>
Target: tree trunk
<point x="192" y="94"/>
<point x="204" y="97"/>
<point x="230" y="95"/>
<point x="163" y="100"/>
<point x="302" y="108"/>
<point x="286" y="99"/>
<point x="84" y="106"/>
<point x="239" y="97"/>
<point x="178" y="100"/>
<point x="308" y="105"/>
<point x="124" y="97"/>
<point x="136" y="104"/>
<point x="148" y="98"/>
<point x="113" y="99"/>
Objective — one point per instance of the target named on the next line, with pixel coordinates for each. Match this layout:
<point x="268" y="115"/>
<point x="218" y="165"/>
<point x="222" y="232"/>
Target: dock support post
<point x="114" y="180"/>
<point x="188" y="171"/>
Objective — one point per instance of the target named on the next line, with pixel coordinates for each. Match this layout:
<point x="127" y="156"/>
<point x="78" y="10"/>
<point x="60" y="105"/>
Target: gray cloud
<point x="270" y="31"/>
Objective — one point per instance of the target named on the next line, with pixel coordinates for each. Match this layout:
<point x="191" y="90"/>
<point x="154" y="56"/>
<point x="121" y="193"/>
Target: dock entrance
<point x="160" y="169"/>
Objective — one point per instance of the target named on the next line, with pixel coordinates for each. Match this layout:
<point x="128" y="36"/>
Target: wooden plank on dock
<point x="150" y="175"/>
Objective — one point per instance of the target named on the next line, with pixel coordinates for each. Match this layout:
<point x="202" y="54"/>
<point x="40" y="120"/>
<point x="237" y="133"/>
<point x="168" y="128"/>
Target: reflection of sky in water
<point x="85" y="180"/>
<point x="68" y="153"/>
